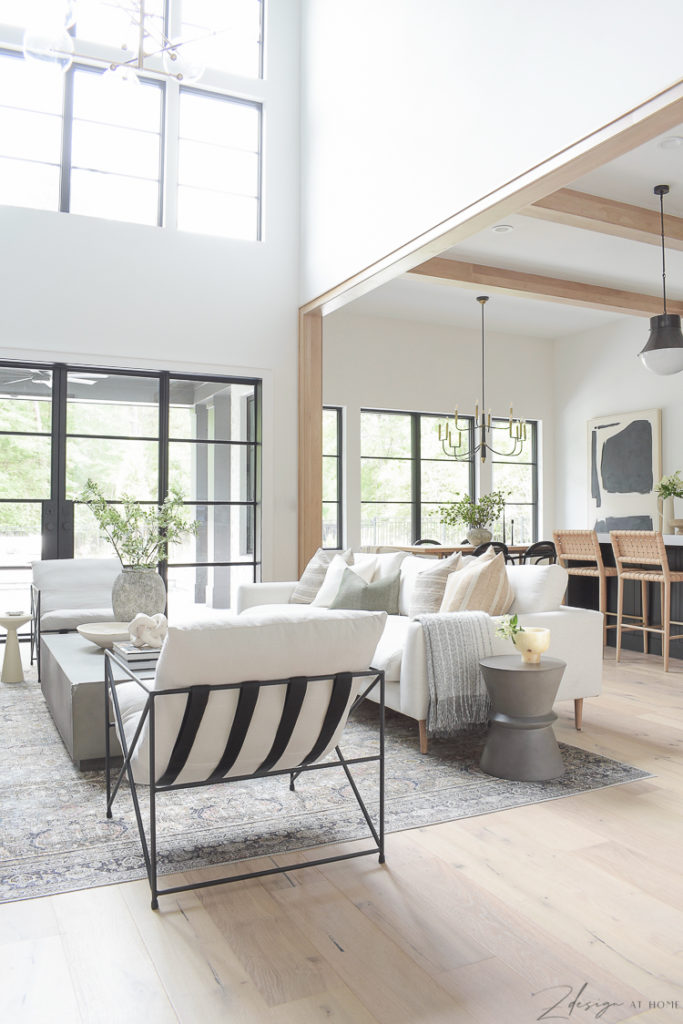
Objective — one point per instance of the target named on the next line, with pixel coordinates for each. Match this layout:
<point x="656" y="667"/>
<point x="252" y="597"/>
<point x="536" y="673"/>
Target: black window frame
<point x="167" y="174"/>
<point x="338" y="456"/>
<point x="57" y="538"/>
<point x="507" y="536"/>
<point x="416" y="460"/>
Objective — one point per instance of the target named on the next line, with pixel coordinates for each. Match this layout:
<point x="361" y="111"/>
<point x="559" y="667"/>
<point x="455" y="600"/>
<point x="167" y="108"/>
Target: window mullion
<point x="67" y="125"/>
<point x="416" y="474"/>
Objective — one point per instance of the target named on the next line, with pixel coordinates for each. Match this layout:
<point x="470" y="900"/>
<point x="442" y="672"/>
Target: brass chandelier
<point x="462" y="440"/>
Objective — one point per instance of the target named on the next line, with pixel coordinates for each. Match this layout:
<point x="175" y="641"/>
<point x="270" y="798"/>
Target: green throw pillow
<point x="381" y="596"/>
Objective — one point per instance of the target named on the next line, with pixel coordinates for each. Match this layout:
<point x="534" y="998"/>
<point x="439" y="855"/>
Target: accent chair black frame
<point x="198" y="696"/>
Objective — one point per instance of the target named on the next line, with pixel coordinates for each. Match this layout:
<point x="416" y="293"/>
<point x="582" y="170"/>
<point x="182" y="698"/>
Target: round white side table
<point x="12" y="671"/>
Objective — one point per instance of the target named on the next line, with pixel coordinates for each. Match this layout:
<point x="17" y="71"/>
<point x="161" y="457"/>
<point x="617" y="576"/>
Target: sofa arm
<point x="249" y="595"/>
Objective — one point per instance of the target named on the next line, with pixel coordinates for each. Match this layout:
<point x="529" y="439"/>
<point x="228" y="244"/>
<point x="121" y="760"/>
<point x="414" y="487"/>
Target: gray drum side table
<point x="521" y="744"/>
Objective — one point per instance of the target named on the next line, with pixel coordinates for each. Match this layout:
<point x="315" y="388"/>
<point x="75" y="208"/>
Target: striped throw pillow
<point x="428" y="586"/>
<point x="481" y="587"/>
<point x="313" y="575"/>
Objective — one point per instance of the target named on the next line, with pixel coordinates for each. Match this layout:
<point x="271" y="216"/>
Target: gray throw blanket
<point x="454" y="643"/>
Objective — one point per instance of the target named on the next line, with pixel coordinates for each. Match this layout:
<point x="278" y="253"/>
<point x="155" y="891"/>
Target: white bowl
<point x="104" y="634"/>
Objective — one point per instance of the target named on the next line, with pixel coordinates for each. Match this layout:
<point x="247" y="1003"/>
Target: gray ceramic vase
<point x="477" y="536"/>
<point x="137" y="590"/>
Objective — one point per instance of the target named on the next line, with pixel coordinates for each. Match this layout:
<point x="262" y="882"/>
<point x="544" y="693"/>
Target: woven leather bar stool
<point x="582" y="546"/>
<point x="641" y="556"/>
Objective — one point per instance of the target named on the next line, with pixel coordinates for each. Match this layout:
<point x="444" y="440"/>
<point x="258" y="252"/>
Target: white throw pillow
<point x="386" y="564"/>
<point x="538" y="588"/>
<point x="333" y="578"/>
<point x="482" y="586"/>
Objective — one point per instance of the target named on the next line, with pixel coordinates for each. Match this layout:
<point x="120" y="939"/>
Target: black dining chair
<point x="541" y="551"/>
<point x="425" y="540"/>
<point x="497" y="546"/>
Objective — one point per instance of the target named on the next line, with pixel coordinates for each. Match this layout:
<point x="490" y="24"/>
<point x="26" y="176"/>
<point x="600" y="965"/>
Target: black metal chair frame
<point x="498" y="546"/>
<point x="539" y="551"/>
<point x="149" y="847"/>
<point x="36" y="631"/>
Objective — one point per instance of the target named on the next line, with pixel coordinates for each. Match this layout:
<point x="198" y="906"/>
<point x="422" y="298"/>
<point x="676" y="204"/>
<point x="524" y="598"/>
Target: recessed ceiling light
<point x="673" y="142"/>
<point x="502" y="228"/>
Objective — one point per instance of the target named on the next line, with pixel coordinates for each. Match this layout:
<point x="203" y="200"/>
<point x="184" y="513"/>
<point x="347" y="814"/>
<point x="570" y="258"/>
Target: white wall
<point x="109" y="293"/>
<point x="375" y="362"/>
<point x="413" y="109"/>
<point x="598" y="373"/>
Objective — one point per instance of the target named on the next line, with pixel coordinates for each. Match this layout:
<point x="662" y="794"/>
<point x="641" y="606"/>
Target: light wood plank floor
<point x="576" y="902"/>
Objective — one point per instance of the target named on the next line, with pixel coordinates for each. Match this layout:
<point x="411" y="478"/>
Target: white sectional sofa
<point x="576" y="636"/>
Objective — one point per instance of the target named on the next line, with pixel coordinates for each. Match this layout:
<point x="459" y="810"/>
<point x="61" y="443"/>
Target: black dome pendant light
<point x="663" y="353"/>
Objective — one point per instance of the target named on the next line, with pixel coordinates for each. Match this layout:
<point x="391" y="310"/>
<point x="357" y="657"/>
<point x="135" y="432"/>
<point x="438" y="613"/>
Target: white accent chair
<point x="240" y="699"/>
<point x="68" y="592"/>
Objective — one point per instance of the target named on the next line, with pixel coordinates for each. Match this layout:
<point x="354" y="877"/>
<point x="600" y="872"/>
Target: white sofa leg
<point x="578" y="713"/>
<point x="424" y="742"/>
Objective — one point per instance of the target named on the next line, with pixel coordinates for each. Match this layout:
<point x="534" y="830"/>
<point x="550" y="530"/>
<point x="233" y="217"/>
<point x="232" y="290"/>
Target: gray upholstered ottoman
<point x="72" y="680"/>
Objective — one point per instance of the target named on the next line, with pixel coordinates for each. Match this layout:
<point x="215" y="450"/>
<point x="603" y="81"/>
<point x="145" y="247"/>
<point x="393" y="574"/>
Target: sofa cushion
<point x="314" y="642"/>
<point x="389" y="652"/>
<point x="428" y="585"/>
<point x="482" y="586"/>
<point x="380" y="595"/>
<point x="538" y="588"/>
<point x="70" y="618"/>
<point x="313" y="576"/>
<point x="333" y="578"/>
<point x="77" y="583"/>
<point x="273" y="645"/>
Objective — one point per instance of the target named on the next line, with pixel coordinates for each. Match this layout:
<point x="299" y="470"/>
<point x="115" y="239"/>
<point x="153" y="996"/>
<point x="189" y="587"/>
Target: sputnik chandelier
<point x="463" y="439"/>
<point x="53" y="42"/>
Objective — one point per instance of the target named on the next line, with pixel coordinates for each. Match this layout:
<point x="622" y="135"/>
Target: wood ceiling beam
<point x="552" y="289"/>
<point x="609" y="217"/>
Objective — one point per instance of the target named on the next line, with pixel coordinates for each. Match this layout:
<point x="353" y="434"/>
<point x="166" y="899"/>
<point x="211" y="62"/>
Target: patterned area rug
<point x="54" y="836"/>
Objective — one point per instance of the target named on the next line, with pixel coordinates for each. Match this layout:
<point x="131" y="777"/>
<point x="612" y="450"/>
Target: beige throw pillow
<point x="482" y="587"/>
<point x="429" y="585"/>
<point x="314" y="574"/>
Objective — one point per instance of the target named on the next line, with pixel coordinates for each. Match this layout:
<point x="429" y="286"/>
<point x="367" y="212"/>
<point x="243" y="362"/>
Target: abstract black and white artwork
<point x="625" y="465"/>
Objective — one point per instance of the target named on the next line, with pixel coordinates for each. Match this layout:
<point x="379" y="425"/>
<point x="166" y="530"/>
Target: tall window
<point x="332" y="477"/>
<point x="218" y="165"/>
<point x="84" y="142"/>
<point x="405" y="475"/>
<point x="138" y="433"/>
<point x="518" y="474"/>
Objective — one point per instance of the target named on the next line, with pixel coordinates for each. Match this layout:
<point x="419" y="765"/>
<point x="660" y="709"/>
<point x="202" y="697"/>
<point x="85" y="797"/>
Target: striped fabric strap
<point x="296" y="691"/>
<point x="341" y="691"/>
<point x="194" y="712"/>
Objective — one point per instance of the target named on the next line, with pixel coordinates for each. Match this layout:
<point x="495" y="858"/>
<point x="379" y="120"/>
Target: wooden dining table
<point x="515" y="550"/>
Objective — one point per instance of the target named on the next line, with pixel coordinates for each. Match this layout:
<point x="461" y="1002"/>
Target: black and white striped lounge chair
<point x="244" y="699"/>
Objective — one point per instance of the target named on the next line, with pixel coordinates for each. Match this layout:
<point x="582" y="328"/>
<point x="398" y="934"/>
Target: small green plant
<point x="139" y="534"/>
<point x="670" y="486"/>
<point x="509" y="627"/>
<point x="477" y="515"/>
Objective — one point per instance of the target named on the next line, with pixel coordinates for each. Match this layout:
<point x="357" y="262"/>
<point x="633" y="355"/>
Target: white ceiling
<point x="553" y="250"/>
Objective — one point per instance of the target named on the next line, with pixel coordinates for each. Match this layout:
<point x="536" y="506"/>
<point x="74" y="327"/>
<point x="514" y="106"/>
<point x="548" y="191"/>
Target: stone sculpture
<point x="148" y="629"/>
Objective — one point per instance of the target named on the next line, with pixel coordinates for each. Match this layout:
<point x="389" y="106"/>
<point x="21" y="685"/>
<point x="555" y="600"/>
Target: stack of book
<point x="139" y="659"/>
